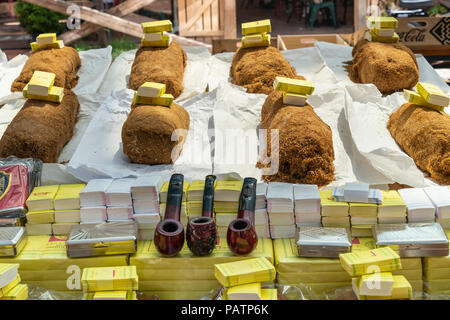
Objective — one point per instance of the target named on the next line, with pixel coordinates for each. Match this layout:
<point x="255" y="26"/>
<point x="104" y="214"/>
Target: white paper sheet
<point x="195" y="75"/>
<point x="100" y="153"/>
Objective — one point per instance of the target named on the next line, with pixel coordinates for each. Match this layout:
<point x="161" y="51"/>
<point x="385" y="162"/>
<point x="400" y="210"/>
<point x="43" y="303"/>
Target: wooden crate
<point x="307" y="40"/>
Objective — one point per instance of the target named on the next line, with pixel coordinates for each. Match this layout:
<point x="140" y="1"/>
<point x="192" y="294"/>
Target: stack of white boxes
<point x="307" y="205"/>
<point x="420" y="208"/>
<point x="261" y="216"/>
<point x="280" y="207"/>
<point x="119" y="206"/>
<point x="145" y="196"/>
<point x="93" y="201"/>
<point x="440" y="197"/>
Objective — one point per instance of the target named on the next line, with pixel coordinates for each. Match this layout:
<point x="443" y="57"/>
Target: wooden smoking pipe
<point x="241" y="234"/>
<point x="201" y="232"/>
<point x="169" y="233"/>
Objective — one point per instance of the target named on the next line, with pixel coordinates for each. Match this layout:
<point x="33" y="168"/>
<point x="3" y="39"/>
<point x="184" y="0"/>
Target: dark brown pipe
<point x="241" y="235"/>
<point x="201" y="232"/>
<point x="169" y="233"/>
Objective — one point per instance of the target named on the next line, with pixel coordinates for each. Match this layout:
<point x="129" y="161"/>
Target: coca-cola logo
<point x="413" y="35"/>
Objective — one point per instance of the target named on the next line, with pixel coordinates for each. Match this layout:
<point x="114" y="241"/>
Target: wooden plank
<point x="203" y="33"/>
<point x="181" y="13"/>
<point x="137" y="18"/>
<point x="359" y="16"/>
<point x="190" y="11"/>
<point x="207" y="18"/>
<point x="215" y="16"/>
<point x="198" y="13"/>
<point x="230" y="19"/>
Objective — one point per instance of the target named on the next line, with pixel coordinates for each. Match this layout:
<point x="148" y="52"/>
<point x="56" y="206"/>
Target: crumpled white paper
<point x="195" y="75"/>
<point x="100" y="153"/>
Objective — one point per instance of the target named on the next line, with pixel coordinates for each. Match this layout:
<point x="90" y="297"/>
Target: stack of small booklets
<point x="40" y="87"/>
<point x="307" y="205"/>
<point x="194" y="203"/>
<point x="256" y="34"/>
<point x="393" y="208"/>
<point x="10" y="286"/>
<point x="93" y="201"/>
<point x="67" y="208"/>
<point x="280" y="207"/>
<point x="323" y="242"/>
<point x="153" y="94"/>
<point x="226" y="204"/>
<point x="12" y="241"/>
<point x="436" y="275"/>
<point x="428" y="95"/>
<point x="334" y="214"/>
<point x="413" y="239"/>
<point x="358" y="192"/>
<point x="110" y="283"/>
<point x="242" y="279"/>
<point x="371" y="273"/>
<point x="155" y="33"/>
<point x="295" y="91"/>
<point x="47" y="41"/>
<point x="261" y="216"/>
<point x="419" y="206"/>
<point x="145" y="195"/>
<point x="119" y="205"/>
<point x="106" y="238"/>
<point x="41" y="208"/>
<point x="440" y="197"/>
<point x="382" y="29"/>
<point x="163" y="199"/>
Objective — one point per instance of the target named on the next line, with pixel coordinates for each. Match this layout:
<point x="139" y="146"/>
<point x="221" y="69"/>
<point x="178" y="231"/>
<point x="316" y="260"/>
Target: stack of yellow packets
<point x="372" y="277"/>
<point x="41" y="208"/>
<point x="243" y="279"/>
<point x="10" y="286"/>
<point x="256" y="34"/>
<point x="110" y="283"/>
<point x="41" y="87"/>
<point x="195" y="198"/>
<point x="47" y="41"/>
<point x="154" y="33"/>
<point x="382" y="29"/>
<point x="334" y="214"/>
<point x="294" y="90"/>
<point x="427" y="95"/>
<point x="153" y="93"/>
<point x="67" y="208"/>
<point x="393" y="208"/>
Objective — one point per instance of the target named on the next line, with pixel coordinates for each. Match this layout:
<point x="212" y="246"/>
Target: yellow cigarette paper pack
<point x="370" y="261"/>
<point x="44" y="216"/>
<point x="39" y="229"/>
<point x="50" y="253"/>
<point x="9" y="286"/>
<point x="68" y="196"/>
<point x="114" y="295"/>
<point x="19" y="292"/>
<point x="330" y="207"/>
<point x="40" y="83"/>
<point x="432" y="94"/>
<point x="165" y="189"/>
<point x="165" y="41"/>
<point x="383" y="32"/>
<point x="363" y="209"/>
<point x="59" y="44"/>
<point x="154" y="36"/>
<point x="371" y="36"/>
<point x="392" y="206"/>
<point x="294" y="99"/>
<point x="56" y="94"/>
<point x="157" y="26"/>
<point x="194" y="208"/>
<point x="46" y="38"/>
<point x="382" y="22"/>
<point x="164" y="100"/>
<point x="376" y="284"/>
<point x="253" y="27"/>
<point x="336" y="222"/>
<point x="110" y="279"/>
<point x="246" y="271"/>
<point x="249" y="291"/>
<point x="297" y="86"/>
<point x="152" y="90"/>
<point x="252" y="41"/>
<point x="401" y="289"/>
<point x="414" y="97"/>
<point x="195" y="191"/>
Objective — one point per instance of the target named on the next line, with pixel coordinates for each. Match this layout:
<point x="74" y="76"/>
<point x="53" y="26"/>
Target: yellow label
<point x="260" y="26"/>
<point x="151" y="90"/>
<point x="41" y="83"/>
<point x="414" y="97"/>
<point x="110" y="278"/>
<point x="431" y="92"/>
<point x="164" y="42"/>
<point x="56" y="94"/>
<point x="157" y="26"/>
<point x="46" y="38"/>
<point x="252" y="41"/>
<point x="365" y="262"/>
<point x="382" y="22"/>
<point x="69" y="191"/>
<point x="382" y="277"/>
<point x="59" y="44"/>
<point x="297" y="86"/>
<point x="246" y="271"/>
<point x="164" y="100"/>
<point x="43" y="193"/>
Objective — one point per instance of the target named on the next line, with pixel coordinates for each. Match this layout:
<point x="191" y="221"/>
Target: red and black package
<point x="13" y="191"/>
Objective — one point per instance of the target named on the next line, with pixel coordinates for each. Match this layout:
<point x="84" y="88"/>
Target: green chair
<point x="315" y="7"/>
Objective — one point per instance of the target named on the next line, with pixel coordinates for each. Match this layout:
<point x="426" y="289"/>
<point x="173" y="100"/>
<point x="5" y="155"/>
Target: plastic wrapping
<point x="86" y="240"/>
<point x="40" y="293"/>
<point x="323" y="242"/>
<point x="34" y="169"/>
